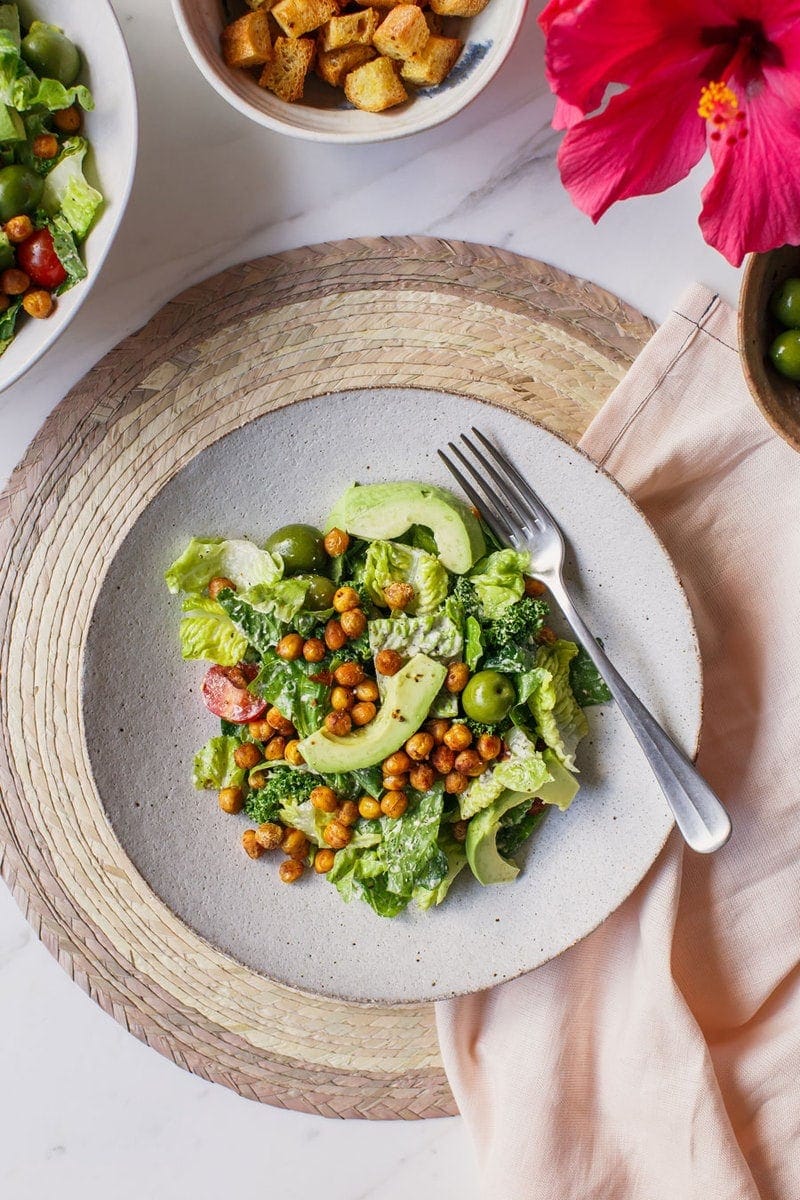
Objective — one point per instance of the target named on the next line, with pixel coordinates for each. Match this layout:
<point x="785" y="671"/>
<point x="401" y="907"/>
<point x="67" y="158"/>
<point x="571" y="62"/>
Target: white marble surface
<point x="85" y="1110"/>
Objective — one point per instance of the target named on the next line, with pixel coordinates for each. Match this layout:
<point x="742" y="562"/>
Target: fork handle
<point x="698" y="812"/>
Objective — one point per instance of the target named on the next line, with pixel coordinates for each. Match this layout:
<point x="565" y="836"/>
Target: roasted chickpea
<point x="369" y="808"/>
<point x="218" y="584"/>
<point x="458" y="737"/>
<point x="280" y="723"/>
<point x="398" y="595"/>
<point x="324" y="799"/>
<point x="45" y="145"/>
<point x="323" y="861"/>
<point x="14" y="282"/>
<point x="250" y="845"/>
<point x="395" y="783"/>
<point x="368" y="690"/>
<point x="348" y="813"/>
<point x="275" y="749"/>
<point x="396" y="763"/>
<point x="292" y="753"/>
<point x="67" y="120"/>
<point x="349" y="674"/>
<point x="262" y="731"/>
<point x="547" y="635"/>
<point x="231" y="799"/>
<point x="337" y="835"/>
<point x="270" y="835"/>
<point x="38" y="303"/>
<point x="338" y="723"/>
<point x="419" y="746"/>
<point x="457" y="677"/>
<point x="353" y="622"/>
<point x="394" y="804"/>
<point x="534" y="587"/>
<point x="363" y="712"/>
<point x="313" y="650"/>
<point x="456" y="783"/>
<point x="469" y="762"/>
<point x="388" y="662"/>
<point x="489" y="746"/>
<point x="258" y="780"/>
<point x="295" y="844"/>
<point x="18" y="229"/>
<point x="335" y="636"/>
<point x="345" y="598"/>
<point x="246" y="756"/>
<point x="443" y="758"/>
<point x="437" y="727"/>
<point x="291" y="870"/>
<point x="342" y="699"/>
<point x="336" y="541"/>
<point x="422" y="778"/>
<point x="459" y="830"/>
<point x="290" y="647"/>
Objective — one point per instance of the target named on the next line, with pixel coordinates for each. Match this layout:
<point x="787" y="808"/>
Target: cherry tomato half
<point x="36" y="256"/>
<point x="224" y="696"/>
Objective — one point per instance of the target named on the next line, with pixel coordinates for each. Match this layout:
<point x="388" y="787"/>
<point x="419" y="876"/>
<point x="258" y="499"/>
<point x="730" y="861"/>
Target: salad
<point x="394" y="706"/>
<point x="47" y="207"/>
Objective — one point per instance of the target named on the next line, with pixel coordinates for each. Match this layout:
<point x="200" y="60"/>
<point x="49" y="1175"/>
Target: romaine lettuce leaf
<point x="525" y="771"/>
<point x="351" y="867"/>
<point x="474" y="643"/>
<point x="435" y="634"/>
<point x="239" y="560"/>
<point x="8" y="321"/>
<point x="410" y="845"/>
<point x="588" y="686"/>
<point x="389" y="562"/>
<point x="517" y="826"/>
<point x="559" y="719"/>
<point x="67" y="251"/>
<point x="208" y="632"/>
<point x="498" y="580"/>
<point x="262" y="612"/>
<point x="29" y="92"/>
<point x="456" y="857"/>
<point x="302" y="815"/>
<point x="289" y="686"/>
<point x="66" y="189"/>
<point x="214" y="765"/>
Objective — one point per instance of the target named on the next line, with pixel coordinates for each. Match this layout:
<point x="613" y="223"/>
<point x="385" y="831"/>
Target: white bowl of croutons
<point x="342" y="71"/>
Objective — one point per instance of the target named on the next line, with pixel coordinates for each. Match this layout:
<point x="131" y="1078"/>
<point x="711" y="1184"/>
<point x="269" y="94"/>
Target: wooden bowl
<point x="777" y="397"/>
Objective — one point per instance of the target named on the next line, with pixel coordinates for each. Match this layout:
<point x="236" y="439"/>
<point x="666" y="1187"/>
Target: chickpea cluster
<point x="279" y="742"/>
<point x="442" y="749"/>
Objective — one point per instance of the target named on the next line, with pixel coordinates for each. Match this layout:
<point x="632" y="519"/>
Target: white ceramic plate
<point x="112" y="132"/>
<point x="324" y="115"/>
<point x="144" y="719"/>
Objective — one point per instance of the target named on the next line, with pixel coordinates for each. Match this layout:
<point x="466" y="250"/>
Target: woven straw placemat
<point x="396" y="312"/>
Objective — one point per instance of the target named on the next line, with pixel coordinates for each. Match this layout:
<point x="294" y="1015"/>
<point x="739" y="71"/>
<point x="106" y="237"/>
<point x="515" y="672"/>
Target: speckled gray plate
<point x="144" y="719"/>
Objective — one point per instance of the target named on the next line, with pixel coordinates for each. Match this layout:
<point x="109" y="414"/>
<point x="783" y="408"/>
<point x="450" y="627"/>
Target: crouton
<point x="335" y="65"/>
<point x="458" y="8"/>
<point x="353" y="29"/>
<point x="286" y="74"/>
<point x="246" y="42"/>
<point x="375" y="86"/>
<point x="387" y="4"/>
<point x="297" y="17"/>
<point x="403" y="32"/>
<point x="434" y="63"/>
<point x="434" y="22"/>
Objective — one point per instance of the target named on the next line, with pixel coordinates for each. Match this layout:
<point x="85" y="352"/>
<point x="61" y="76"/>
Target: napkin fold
<point x="659" y="1059"/>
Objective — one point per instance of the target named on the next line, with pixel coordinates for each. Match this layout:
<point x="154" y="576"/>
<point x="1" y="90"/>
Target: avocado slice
<point x="408" y="696"/>
<point x="387" y="510"/>
<point x="563" y="788"/>
<point x="485" y="860"/>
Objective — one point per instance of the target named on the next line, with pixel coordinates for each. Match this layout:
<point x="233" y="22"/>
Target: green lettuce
<point x="301" y="814"/>
<point x="67" y="251"/>
<point x="559" y="719"/>
<point x="588" y="686"/>
<point x="214" y="765"/>
<point x="410" y="845"/>
<point x="207" y="632"/>
<point x="456" y="857"/>
<point x="474" y="644"/>
<point x="261" y="613"/>
<point x="30" y="92"/>
<point x="239" y="560"/>
<point x="525" y="771"/>
<point x="67" y="191"/>
<point x="352" y="867"/>
<point x="435" y="634"/>
<point x="392" y="562"/>
<point x="498" y="580"/>
<point x="516" y="826"/>
<point x="289" y="686"/>
<point x="8" y="321"/>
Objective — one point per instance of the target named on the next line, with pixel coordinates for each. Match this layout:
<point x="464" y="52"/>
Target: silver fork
<point x="517" y="516"/>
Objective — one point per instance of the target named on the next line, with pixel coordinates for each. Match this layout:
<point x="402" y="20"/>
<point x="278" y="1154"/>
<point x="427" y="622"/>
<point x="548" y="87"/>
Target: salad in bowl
<point x="394" y="705"/>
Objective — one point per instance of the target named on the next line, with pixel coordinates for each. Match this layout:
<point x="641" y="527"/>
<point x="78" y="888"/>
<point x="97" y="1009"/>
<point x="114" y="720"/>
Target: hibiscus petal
<point x="646" y="139"/>
<point x="752" y="202"/>
<point x="566" y="115"/>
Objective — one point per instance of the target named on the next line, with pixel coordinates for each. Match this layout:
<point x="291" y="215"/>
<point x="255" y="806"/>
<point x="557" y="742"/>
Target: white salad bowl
<point x="325" y="115"/>
<point x="112" y="131"/>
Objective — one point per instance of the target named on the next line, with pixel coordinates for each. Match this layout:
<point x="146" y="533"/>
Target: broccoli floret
<point x="467" y="597"/>
<point x="283" y="784"/>
<point x="519" y="624"/>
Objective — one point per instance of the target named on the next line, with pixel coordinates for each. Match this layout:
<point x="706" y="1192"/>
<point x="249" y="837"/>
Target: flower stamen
<point x="719" y="105"/>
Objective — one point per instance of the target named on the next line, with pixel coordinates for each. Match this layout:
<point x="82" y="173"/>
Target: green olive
<point x="320" y="592"/>
<point x="488" y="697"/>
<point x="785" y="303"/>
<point x="50" y="54"/>
<point x="300" y="547"/>
<point x="20" y="191"/>
<point x="785" y="354"/>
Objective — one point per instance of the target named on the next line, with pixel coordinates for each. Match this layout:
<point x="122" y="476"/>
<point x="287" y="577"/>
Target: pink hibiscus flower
<point x="716" y="74"/>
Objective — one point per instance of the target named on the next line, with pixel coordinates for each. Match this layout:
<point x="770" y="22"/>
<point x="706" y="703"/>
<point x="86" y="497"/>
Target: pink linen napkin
<point x="659" y="1059"/>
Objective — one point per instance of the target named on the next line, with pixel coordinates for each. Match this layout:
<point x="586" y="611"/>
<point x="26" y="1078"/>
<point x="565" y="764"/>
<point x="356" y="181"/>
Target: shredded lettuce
<point x="498" y="580"/>
<point x="559" y="719"/>
<point x="239" y="560"/>
<point x="525" y="771"/>
<point x="214" y="765"/>
<point x="390" y="562"/>
<point x="207" y="632"/>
